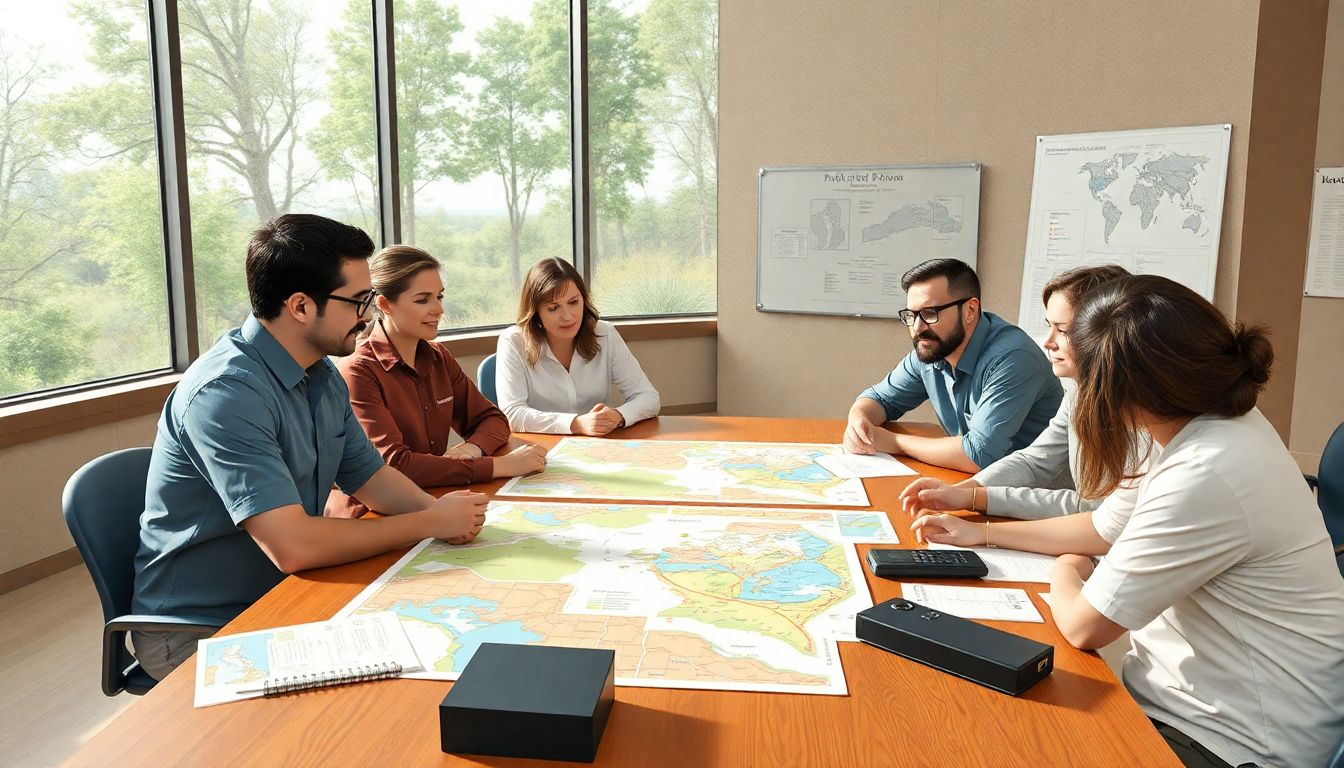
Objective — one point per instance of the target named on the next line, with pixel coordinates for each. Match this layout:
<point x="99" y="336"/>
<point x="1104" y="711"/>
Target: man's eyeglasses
<point x="361" y="305"/>
<point x="928" y="314"/>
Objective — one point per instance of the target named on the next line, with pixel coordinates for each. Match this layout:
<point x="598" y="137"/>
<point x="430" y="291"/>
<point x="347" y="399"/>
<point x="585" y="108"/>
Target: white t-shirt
<point x="1225" y="574"/>
<point x="546" y="397"/>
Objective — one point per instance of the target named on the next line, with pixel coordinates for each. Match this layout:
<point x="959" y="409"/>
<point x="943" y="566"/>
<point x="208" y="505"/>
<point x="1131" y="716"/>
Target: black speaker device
<point x="991" y="657"/>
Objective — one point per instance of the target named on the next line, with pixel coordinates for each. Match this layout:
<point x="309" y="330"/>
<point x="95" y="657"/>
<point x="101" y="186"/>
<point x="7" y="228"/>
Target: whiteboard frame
<point x="760" y="221"/>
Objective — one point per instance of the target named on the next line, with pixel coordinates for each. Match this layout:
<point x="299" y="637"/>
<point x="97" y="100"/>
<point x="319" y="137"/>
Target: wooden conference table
<point x="897" y="712"/>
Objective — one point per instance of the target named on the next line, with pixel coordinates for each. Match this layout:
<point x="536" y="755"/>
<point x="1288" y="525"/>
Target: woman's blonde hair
<point x="392" y="270"/>
<point x="545" y="282"/>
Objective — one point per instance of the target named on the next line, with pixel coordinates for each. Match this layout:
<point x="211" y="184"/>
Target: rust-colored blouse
<point x="408" y="411"/>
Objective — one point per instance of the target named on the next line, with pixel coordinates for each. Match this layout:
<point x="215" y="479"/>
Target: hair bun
<point x="1255" y="350"/>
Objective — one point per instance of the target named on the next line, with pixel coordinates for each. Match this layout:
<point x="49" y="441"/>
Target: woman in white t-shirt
<point x="554" y="370"/>
<point x="1218" y="561"/>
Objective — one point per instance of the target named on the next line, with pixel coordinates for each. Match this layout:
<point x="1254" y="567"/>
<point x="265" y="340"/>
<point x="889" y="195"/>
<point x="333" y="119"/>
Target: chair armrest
<point x="1313" y="482"/>
<point x="118" y="661"/>
<point x="149" y="623"/>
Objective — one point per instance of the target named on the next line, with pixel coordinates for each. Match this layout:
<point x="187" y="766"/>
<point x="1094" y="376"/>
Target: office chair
<point x="102" y="504"/>
<point x="485" y="379"/>
<point x="1328" y="483"/>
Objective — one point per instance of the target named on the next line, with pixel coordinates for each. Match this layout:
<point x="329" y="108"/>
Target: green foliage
<point x="431" y="127"/>
<point x="510" y="134"/>
<point x="620" y="72"/>
<point x="38" y="349"/>
<point x="655" y="284"/>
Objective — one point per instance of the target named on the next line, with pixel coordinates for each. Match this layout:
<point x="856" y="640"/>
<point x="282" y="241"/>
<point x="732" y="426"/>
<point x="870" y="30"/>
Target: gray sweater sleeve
<point x="1037" y="481"/>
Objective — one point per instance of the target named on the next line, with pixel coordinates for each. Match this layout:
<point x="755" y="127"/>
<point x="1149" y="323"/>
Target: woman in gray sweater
<point x="1037" y="481"/>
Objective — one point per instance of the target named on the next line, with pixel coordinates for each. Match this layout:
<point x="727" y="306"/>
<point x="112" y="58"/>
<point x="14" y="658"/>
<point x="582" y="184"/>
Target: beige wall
<point x="1319" y="404"/>
<point x="913" y="81"/>
<point x="33" y="474"/>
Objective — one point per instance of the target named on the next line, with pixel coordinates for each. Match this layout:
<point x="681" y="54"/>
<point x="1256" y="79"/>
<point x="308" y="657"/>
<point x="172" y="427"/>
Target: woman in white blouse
<point x="556" y="367"/>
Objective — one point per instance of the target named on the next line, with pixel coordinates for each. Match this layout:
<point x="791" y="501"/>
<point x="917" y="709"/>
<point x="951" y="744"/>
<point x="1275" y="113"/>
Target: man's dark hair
<point x="299" y="253"/>
<point x="961" y="279"/>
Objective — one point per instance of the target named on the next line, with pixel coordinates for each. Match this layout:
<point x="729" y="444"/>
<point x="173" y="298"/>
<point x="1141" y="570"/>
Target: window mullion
<point x="385" y="108"/>
<point x="578" y="133"/>
<point x="174" y="191"/>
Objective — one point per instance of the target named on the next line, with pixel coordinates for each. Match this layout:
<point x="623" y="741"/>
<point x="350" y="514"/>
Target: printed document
<point x="850" y="465"/>
<point x="975" y="602"/>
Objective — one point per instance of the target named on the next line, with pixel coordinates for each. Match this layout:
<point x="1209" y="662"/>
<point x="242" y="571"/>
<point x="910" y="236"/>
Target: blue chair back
<point x="1330" y="486"/>
<point x="1337" y="760"/>
<point x="102" y="505"/>
<point x="485" y="379"/>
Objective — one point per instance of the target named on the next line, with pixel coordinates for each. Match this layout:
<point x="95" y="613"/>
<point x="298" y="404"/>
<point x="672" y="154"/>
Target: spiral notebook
<point x="276" y="661"/>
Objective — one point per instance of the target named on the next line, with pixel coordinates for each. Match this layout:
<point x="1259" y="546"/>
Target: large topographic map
<point x="681" y="471"/>
<point x="687" y="597"/>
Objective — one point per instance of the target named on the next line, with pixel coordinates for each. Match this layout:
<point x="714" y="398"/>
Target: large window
<point x="653" y="87"/>
<point x="83" y="294"/>
<point x="483" y="145"/>
<point x="235" y="111"/>
<point x="277" y="98"/>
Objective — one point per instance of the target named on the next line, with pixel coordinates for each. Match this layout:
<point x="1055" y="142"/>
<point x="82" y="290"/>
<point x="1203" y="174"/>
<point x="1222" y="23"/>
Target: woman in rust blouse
<point x="410" y="394"/>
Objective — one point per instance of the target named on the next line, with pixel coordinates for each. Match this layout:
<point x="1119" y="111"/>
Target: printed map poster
<point x="836" y="239"/>
<point x="1148" y="200"/>
<point x="681" y="471"/>
<point x="686" y="597"/>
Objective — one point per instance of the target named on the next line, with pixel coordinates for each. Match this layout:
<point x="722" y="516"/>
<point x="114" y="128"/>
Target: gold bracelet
<point x="973" y="490"/>
<point x="987" y="544"/>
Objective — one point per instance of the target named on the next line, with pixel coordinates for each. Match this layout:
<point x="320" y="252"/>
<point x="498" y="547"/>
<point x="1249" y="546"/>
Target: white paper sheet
<point x="1010" y="564"/>
<point x="851" y="465"/>
<point x="975" y="602"/>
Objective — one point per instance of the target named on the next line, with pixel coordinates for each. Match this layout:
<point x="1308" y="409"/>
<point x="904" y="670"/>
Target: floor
<point x="50" y="662"/>
<point x="50" y="700"/>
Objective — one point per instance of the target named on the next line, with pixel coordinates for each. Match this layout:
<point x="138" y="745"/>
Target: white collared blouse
<point x="546" y="397"/>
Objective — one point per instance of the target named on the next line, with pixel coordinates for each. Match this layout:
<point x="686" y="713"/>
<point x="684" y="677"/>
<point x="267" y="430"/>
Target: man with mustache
<point x="989" y="383"/>
<point x="253" y="437"/>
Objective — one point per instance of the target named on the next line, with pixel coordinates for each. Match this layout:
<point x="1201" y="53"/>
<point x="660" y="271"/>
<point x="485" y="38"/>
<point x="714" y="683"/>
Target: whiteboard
<point x="835" y="240"/>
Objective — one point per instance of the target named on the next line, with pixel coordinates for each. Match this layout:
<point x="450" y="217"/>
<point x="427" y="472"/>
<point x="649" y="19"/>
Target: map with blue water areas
<point x="691" y="470"/>
<point x="688" y="597"/>
<point x="245" y="659"/>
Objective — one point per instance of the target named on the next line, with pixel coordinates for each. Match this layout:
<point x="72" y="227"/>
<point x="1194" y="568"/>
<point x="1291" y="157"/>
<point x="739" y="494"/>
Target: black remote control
<point x="926" y="563"/>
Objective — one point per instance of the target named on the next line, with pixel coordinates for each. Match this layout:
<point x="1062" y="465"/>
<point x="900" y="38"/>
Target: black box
<point x="530" y="701"/>
<point x="993" y="658"/>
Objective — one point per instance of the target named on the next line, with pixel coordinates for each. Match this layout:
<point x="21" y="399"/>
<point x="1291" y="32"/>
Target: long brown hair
<point x="1074" y="284"/>
<point x="545" y="282"/>
<point x="391" y="271"/>
<point x="1148" y="342"/>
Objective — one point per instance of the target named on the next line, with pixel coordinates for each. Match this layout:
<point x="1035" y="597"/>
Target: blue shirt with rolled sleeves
<point x="245" y="431"/>
<point x="998" y="398"/>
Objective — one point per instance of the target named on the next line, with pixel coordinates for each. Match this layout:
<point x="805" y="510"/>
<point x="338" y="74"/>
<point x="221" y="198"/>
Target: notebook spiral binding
<point x="279" y="685"/>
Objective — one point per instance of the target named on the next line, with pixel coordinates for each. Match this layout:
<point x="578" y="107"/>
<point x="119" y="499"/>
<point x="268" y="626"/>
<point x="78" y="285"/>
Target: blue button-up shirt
<point x="245" y="431"/>
<point x="999" y="397"/>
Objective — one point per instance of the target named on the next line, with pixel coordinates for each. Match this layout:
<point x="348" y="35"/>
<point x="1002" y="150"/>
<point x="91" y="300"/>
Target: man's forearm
<point x="389" y="492"/>
<point x="870" y="409"/>
<point x="939" y="451"/>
